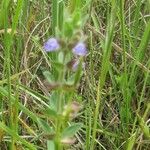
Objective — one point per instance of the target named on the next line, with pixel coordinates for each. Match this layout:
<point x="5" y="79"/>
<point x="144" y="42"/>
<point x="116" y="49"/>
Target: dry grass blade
<point x="118" y="49"/>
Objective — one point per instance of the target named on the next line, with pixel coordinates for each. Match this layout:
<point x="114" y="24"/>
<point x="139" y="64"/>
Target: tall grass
<point x="38" y="93"/>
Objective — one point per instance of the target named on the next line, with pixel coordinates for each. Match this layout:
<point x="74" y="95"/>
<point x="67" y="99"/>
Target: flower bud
<point x="73" y="64"/>
<point x="68" y="140"/>
<point x="72" y="109"/>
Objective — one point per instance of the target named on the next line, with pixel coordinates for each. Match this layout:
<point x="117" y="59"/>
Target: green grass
<point x="114" y="90"/>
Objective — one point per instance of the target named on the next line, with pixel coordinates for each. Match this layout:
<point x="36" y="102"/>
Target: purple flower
<point x="51" y="45"/>
<point x="80" y="49"/>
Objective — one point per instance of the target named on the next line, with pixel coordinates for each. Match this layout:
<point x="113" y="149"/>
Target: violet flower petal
<point x="80" y="49"/>
<point x="51" y="45"/>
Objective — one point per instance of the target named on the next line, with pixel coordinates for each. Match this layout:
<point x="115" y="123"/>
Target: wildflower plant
<point x="43" y="112"/>
<point x="69" y="49"/>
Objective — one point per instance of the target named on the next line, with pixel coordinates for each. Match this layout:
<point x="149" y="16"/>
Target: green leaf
<point x="144" y="127"/>
<point x="50" y="145"/>
<point x="61" y="57"/>
<point x="78" y="74"/>
<point x="53" y="100"/>
<point x="71" y="130"/>
<point x="58" y="66"/>
<point x="131" y="141"/>
<point x="50" y="78"/>
<point x="34" y="94"/>
<point x="54" y="15"/>
<point x="70" y="80"/>
<point x="68" y="29"/>
<point x="50" y="112"/>
<point x="3" y="9"/>
<point x="45" y="126"/>
<point x="77" y="19"/>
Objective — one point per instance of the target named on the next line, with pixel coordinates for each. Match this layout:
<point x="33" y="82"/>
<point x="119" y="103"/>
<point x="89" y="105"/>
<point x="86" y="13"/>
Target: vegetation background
<point x="115" y="87"/>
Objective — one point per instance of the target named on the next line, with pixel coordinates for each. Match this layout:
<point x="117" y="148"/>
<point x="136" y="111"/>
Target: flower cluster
<point x="78" y="50"/>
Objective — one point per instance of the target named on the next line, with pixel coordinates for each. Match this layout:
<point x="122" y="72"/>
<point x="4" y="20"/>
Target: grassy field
<point x="74" y="74"/>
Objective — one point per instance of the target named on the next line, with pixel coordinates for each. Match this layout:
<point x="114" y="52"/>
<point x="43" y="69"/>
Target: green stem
<point x="104" y="70"/>
<point x="54" y="16"/>
<point x="59" y="121"/>
<point x="126" y="96"/>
